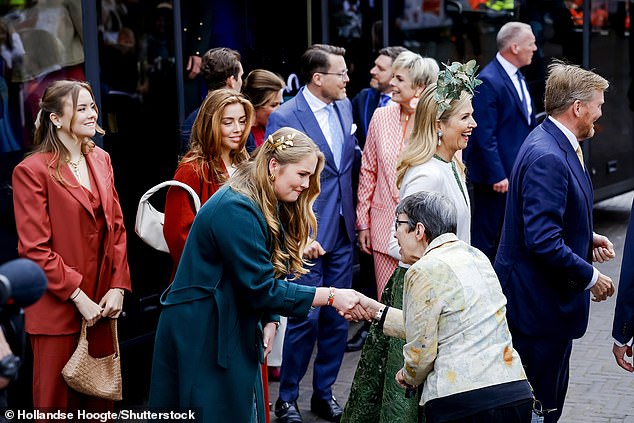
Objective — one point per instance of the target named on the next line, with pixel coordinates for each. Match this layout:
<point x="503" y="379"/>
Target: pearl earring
<point x="58" y="126"/>
<point x="439" y="137"/>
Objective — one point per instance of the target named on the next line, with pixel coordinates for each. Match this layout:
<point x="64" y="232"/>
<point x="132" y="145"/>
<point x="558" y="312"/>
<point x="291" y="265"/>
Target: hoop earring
<point x="439" y="137"/>
<point x="272" y="178"/>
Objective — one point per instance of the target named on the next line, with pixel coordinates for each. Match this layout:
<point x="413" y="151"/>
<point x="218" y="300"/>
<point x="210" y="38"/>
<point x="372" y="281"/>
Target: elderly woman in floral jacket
<point x="454" y="323"/>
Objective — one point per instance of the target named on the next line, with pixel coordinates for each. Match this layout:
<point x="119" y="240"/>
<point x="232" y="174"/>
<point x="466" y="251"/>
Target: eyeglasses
<point x="343" y="74"/>
<point x="398" y="222"/>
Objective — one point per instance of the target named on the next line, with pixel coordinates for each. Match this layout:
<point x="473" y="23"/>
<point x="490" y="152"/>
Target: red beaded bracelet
<point x="331" y="296"/>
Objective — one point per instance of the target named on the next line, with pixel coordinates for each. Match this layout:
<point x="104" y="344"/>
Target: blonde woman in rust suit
<point x="388" y="133"/>
<point x="70" y="223"/>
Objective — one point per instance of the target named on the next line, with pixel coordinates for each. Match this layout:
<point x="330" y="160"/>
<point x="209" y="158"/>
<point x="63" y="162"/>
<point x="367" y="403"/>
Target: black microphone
<point x="22" y="282"/>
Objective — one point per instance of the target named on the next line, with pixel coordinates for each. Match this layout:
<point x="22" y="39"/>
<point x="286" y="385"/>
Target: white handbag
<point x="149" y="221"/>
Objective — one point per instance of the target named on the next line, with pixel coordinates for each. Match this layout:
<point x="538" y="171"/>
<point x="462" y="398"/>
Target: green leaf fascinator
<point x="453" y="80"/>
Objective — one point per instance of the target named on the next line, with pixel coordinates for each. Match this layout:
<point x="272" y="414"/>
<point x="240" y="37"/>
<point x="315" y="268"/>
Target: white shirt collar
<point x="314" y="103"/>
<point x="508" y="67"/>
<point x="567" y="132"/>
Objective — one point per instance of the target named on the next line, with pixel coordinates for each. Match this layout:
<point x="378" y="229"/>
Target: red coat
<point x="179" y="208"/>
<point x="57" y="229"/>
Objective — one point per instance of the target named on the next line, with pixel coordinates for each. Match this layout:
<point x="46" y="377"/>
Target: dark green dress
<point x="208" y="346"/>
<point x="375" y="397"/>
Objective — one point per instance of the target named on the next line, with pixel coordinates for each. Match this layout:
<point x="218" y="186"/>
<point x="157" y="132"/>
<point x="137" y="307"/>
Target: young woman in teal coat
<point x="244" y="243"/>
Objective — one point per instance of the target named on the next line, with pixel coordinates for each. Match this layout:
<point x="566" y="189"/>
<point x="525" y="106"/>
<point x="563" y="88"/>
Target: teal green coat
<point x="208" y="346"/>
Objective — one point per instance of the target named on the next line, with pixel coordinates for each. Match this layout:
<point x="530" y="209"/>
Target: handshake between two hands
<point x="355" y="306"/>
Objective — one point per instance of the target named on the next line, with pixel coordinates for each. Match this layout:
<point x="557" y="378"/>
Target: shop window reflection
<point x="50" y="32"/>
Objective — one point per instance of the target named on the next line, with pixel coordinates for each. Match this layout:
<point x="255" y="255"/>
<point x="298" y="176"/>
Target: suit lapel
<point x="510" y="88"/>
<point x="573" y="161"/>
<point x="99" y="169"/>
<point x="371" y="104"/>
<point x="76" y="190"/>
<point x="345" y="119"/>
<point x="309" y="124"/>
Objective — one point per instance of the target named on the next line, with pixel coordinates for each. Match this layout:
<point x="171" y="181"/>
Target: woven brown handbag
<point x="97" y="377"/>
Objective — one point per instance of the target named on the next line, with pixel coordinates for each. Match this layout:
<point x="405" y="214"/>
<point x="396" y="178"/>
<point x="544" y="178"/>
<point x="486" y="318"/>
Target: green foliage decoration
<point x="452" y="81"/>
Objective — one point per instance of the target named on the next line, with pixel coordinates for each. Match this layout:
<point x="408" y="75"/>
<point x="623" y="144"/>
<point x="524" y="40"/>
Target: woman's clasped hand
<point x="353" y="306"/>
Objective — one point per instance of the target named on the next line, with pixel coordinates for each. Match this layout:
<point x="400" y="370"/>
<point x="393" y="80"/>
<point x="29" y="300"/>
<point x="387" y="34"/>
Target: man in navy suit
<point x="505" y="115"/>
<point x="623" y="326"/>
<point x="322" y="111"/>
<point x="547" y="245"/>
<point x="378" y="94"/>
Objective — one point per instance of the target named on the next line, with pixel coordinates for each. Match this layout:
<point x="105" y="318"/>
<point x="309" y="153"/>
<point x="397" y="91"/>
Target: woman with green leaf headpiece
<point x="375" y="397"/>
<point x="458" y="352"/>
<point x="432" y="160"/>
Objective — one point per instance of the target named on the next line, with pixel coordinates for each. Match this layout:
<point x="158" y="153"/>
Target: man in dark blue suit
<point x="378" y="94"/>
<point x="623" y="326"/>
<point x="547" y="245"/>
<point x="322" y="111"/>
<point x="505" y="115"/>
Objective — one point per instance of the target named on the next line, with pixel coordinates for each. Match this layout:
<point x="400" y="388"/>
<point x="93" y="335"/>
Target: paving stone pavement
<point x="599" y="391"/>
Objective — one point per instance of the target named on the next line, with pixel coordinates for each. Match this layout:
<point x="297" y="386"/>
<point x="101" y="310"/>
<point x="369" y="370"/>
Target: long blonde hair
<point x="45" y="138"/>
<point x="206" y="137"/>
<point x="424" y="138"/>
<point x="290" y="223"/>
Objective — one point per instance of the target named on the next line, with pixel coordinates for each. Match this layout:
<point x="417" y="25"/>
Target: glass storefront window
<point x="41" y="42"/>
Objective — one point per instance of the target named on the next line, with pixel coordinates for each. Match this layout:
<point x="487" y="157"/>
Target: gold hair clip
<point x="281" y="143"/>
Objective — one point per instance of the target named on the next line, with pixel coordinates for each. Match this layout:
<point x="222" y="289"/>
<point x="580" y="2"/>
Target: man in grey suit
<point x="323" y="112"/>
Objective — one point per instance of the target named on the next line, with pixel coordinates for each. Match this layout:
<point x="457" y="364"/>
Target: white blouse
<point x="439" y="176"/>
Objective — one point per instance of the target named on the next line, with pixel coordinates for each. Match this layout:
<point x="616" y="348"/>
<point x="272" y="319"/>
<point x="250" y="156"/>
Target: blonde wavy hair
<point x="45" y="139"/>
<point x="290" y="223"/>
<point x="206" y="138"/>
<point x="424" y="139"/>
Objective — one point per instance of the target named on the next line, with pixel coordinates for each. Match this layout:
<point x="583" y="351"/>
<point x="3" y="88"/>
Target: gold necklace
<point x="74" y="166"/>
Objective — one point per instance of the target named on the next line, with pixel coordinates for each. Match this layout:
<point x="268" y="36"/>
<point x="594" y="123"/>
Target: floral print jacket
<point x="454" y="322"/>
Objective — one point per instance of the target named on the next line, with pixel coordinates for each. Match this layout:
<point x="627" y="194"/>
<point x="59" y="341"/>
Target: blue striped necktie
<point x="336" y="133"/>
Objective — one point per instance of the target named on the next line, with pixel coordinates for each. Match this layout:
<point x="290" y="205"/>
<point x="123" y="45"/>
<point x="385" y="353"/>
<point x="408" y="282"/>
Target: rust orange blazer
<point x="179" y="208"/>
<point x="57" y="229"/>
